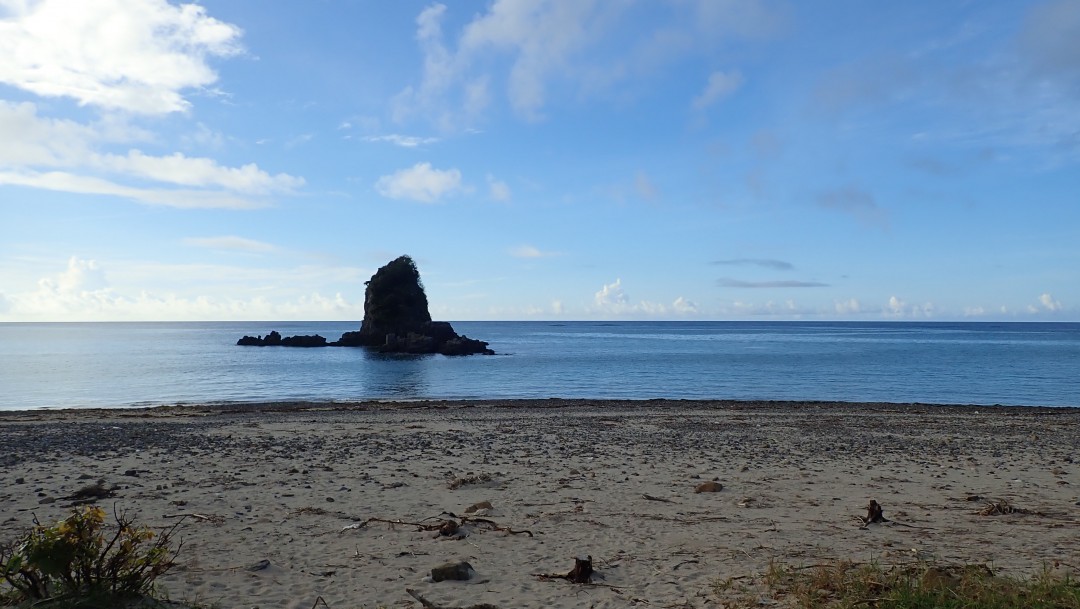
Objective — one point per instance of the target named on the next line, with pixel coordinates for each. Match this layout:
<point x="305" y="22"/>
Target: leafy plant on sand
<point x="81" y="563"/>
<point x="846" y="585"/>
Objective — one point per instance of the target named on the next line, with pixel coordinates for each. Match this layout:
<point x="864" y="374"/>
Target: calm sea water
<point x="135" y="364"/>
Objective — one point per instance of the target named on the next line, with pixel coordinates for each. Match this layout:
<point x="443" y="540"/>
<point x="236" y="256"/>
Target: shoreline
<point x="288" y="482"/>
<point x="521" y="403"/>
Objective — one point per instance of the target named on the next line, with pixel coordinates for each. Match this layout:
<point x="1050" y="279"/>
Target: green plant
<point x="79" y="562"/>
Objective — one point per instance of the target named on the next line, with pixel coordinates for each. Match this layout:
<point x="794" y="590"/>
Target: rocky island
<point x="396" y="320"/>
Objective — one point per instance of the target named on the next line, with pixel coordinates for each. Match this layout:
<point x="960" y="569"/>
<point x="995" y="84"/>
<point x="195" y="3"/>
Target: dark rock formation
<point x="304" y="341"/>
<point x="396" y="320"/>
<point x="273" y="339"/>
<point x="396" y="317"/>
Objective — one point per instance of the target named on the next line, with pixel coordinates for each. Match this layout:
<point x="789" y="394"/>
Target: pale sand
<point x="575" y="473"/>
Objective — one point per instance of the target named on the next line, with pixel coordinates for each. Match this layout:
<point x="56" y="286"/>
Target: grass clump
<point x="847" y="585"/>
<point x="81" y="563"/>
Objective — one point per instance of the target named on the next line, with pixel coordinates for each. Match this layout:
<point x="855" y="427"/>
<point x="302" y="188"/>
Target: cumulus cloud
<point x="1048" y="302"/>
<point x="719" y="86"/>
<point x="611" y="296"/>
<point x="420" y="183"/>
<point x="612" y="300"/>
<point x="847" y="307"/>
<point x="498" y="190"/>
<point x="857" y="203"/>
<point x="231" y="243"/>
<point x="683" y="306"/>
<point x="133" y="55"/>
<point x="898" y="308"/>
<point x="82" y="291"/>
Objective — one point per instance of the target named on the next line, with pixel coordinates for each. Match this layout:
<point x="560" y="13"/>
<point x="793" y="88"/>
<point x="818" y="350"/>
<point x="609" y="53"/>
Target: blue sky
<point x="594" y="159"/>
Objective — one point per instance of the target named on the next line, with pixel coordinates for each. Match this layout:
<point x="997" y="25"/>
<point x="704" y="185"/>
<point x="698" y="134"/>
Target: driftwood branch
<point x="447" y="528"/>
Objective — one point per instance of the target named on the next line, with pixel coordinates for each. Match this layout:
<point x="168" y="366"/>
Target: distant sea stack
<point x="396" y="320"/>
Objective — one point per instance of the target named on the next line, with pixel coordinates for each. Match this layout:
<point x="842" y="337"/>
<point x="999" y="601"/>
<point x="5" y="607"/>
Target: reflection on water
<point x="398" y="376"/>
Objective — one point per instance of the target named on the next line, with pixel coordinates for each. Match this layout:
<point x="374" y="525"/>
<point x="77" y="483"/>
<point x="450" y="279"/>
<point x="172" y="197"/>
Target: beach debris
<point x="709" y="487"/>
<point x="1001" y="508"/>
<point x="581" y="573"/>
<point x="211" y="518"/>
<point x="430" y="605"/>
<point x="452" y="571"/>
<point x="447" y="528"/>
<point x="476" y="507"/>
<point x="259" y="565"/>
<point x="457" y="483"/>
<point x="660" y="499"/>
<point x="874" y="513"/>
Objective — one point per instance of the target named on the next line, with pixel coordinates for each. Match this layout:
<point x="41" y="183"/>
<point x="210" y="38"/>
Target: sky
<point x="541" y="159"/>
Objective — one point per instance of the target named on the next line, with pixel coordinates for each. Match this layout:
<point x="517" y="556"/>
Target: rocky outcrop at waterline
<point x="396" y="320"/>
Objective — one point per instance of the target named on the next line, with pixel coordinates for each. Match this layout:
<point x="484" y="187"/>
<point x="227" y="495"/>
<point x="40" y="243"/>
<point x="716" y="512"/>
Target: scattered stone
<point x="457" y="483"/>
<point x="259" y="566"/>
<point x="20" y="480"/>
<point x="47" y="500"/>
<point x="132" y="472"/>
<point x="709" y="487"/>
<point x="329" y="499"/>
<point x="452" y="571"/>
<point x="476" y="507"/>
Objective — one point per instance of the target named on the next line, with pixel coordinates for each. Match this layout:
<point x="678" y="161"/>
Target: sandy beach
<point x="280" y="498"/>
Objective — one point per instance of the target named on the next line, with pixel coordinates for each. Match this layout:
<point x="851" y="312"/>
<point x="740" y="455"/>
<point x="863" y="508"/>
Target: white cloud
<point x="498" y="190"/>
<point x="420" y="183"/>
<point x="976" y="311"/>
<point x="557" y="307"/>
<point x="897" y="307"/>
<point x="683" y="306"/>
<point x="185" y="199"/>
<point x="405" y="141"/>
<point x="848" y="307"/>
<point x="612" y="300"/>
<point x="1048" y="303"/>
<point x="202" y="172"/>
<point x="529" y="251"/>
<point x="134" y="55"/>
<point x="231" y="242"/>
<point x="546" y="45"/>
<point x="719" y="86"/>
<point x="83" y="292"/>
<point x="611" y="296"/>
<point x="33" y="143"/>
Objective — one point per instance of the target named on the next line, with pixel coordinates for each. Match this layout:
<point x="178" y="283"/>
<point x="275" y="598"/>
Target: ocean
<point x="82" y="365"/>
